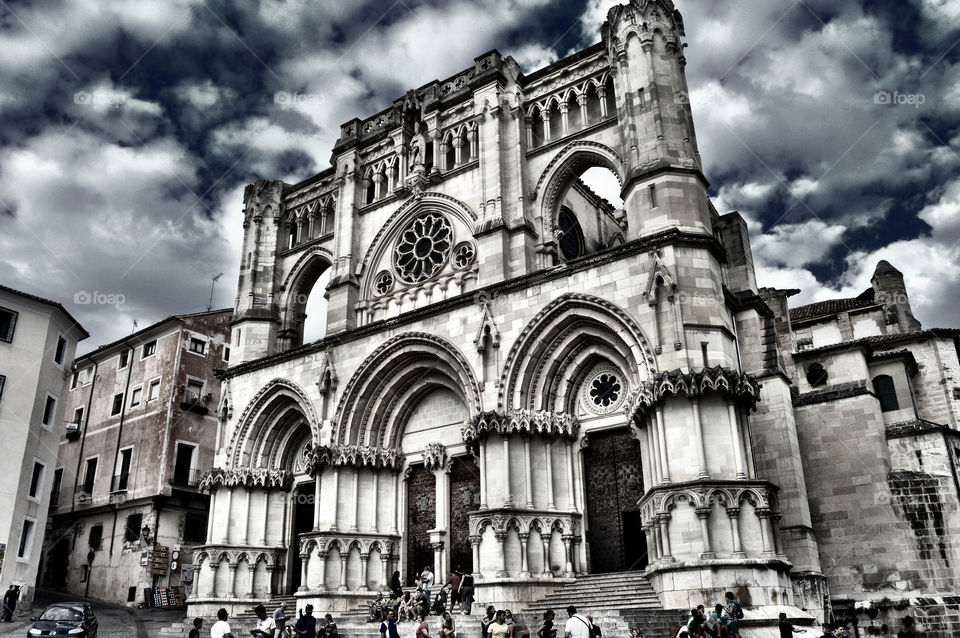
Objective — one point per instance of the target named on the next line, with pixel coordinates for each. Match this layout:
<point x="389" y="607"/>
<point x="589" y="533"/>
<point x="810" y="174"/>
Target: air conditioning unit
<point x="72" y="428"/>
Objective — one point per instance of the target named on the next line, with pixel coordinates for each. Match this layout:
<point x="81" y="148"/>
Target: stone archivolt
<point x="741" y="387"/>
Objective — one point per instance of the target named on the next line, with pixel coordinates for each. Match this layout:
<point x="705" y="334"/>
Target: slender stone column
<point x="703" y="513"/>
<point x="304" y="564"/>
<point x="475" y="547"/>
<point x="737" y="442"/>
<point x="284" y="509"/>
<point x="568" y="562"/>
<point x="394" y="529"/>
<point x="699" y="444"/>
<point x="545" y="539"/>
<point x="225" y="532"/>
<point x="777" y="545"/>
<point x="582" y="103"/>
<point x="508" y="499"/>
<point x="212" y="516"/>
<point x="502" y="557"/>
<point x="524" y="570"/>
<point x="212" y="569"/>
<point x="438" y="559"/>
<point x="266" y="517"/>
<point x="316" y="503"/>
<point x="356" y="500"/>
<point x="570" y="487"/>
<point x="545" y="116"/>
<point x="662" y="439"/>
<point x="733" y="513"/>
<point x="657" y="545"/>
<point x="336" y="498"/>
<point x="250" y="570"/>
<point x="564" y="118"/>
<point x="654" y="450"/>
<point x="364" y="575"/>
<point x="233" y="581"/>
<point x="483" y="475"/>
<point x="528" y="477"/>
<point x="551" y="498"/>
<point x="374" y="500"/>
<point x="601" y="93"/>
<point x="271" y="578"/>
<point x="664" y="520"/>
<point x="747" y="443"/>
<point x="322" y="562"/>
<point x="766" y="533"/>
<point x="384" y="568"/>
<point x="651" y="547"/>
<point x="343" y="571"/>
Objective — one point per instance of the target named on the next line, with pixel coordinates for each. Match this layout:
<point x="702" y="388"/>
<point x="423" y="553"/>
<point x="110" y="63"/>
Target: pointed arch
<point x="261" y="438"/>
<point x="295" y="292"/>
<point x="378" y="398"/>
<point x="560" y="346"/>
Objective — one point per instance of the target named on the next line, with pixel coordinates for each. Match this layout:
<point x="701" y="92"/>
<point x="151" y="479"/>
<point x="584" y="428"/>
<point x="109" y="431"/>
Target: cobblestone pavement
<point x="115" y="621"/>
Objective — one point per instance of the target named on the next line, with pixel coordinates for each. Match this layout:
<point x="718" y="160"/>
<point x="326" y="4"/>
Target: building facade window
<point x="8" y="323"/>
<point x="117" y="404"/>
<point x="36" y="480"/>
<point x="149" y="349"/>
<point x="26" y="539"/>
<point x="131" y="532"/>
<point x="122" y="473"/>
<point x="199" y="346"/>
<point x="571" y="240"/>
<point x="49" y="410"/>
<point x="96" y="537"/>
<point x="135" y="397"/>
<point x="886" y="392"/>
<point x="154" y="390"/>
<point x="55" y="490"/>
<point x="123" y="360"/>
<point x="61" y="351"/>
<point x="90" y="475"/>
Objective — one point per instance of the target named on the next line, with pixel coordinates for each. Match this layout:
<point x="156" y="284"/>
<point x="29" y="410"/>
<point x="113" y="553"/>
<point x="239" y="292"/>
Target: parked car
<point x="76" y="620"/>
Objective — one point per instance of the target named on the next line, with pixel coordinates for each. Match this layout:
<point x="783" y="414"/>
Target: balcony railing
<point x="195" y="401"/>
<point x="72" y="429"/>
<point x="186" y="478"/>
<point x="119" y="483"/>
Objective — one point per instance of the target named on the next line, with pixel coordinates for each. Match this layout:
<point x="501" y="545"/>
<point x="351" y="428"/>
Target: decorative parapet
<point x="702" y="495"/>
<point x="319" y="543"/>
<point x="355" y="455"/>
<point x="740" y="386"/>
<point x="524" y="521"/>
<point x="552" y="424"/>
<point x="246" y="477"/>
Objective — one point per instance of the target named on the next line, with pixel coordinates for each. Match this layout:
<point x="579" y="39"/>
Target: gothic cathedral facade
<point x="518" y="378"/>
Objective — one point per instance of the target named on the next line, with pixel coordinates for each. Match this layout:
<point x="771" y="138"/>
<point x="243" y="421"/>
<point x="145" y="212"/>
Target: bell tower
<point x="663" y="176"/>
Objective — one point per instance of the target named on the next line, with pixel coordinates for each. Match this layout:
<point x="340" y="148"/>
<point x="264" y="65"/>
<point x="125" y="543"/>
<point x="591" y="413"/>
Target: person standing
<point x="733" y="613"/>
<point x="487" y="620"/>
<point x="266" y="627"/>
<point x="499" y="627"/>
<point x="577" y="625"/>
<point x="280" y="619"/>
<point x="388" y="628"/>
<point x="454" y="580"/>
<point x="197" y="626"/>
<point x="547" y="629"/>
<point x="10" y="603"/>
<point x="466" y="594"/>
<point x="330" y="629"/>
<point x="786" y="629"/>
<point x="221" y="628"/>
<point x="306" y="625"/>
<point x="426" y="581"/>
<point x="396" y="586"/>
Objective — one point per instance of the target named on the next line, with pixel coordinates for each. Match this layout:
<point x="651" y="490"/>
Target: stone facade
<point x="496" y="330"/>
<point x="141" y="429"/>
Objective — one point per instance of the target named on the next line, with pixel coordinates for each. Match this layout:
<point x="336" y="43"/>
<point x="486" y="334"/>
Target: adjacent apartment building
<point x="141" y="427"/>
<point x="38" y="339"/>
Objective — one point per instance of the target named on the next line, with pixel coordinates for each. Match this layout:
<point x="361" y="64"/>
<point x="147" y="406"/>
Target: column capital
<point x="763" y="512"/>
<point x="436" y="546"/>
<point x="524" y="537"/>
<point x="474" y="540"/>
<point x="364" y="556"/>
<point x="500" y="536"/>
<point x="703" y="512"/>
<point x="664" y="517"/>
<point x="733" y="512"/>
<point x="305" y="556"/>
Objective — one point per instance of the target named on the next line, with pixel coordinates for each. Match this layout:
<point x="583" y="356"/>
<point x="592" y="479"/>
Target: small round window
<point x="604" y="390"/>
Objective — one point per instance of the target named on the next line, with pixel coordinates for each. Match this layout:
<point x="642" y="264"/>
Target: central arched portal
<point x="614" y="486"/>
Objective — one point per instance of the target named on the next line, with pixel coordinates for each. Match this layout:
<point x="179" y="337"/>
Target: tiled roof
<point x="49" y="302"/>
<point x="829" y="307"/>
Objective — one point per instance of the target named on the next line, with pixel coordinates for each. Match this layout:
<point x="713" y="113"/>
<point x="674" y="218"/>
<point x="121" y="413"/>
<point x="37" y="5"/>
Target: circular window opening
<point x="423" y="248"/>
<point x="604" y="390"/>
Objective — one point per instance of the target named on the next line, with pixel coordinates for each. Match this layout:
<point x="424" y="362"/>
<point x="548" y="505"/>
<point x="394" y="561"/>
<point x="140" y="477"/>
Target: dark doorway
<point x="614" y="483"/>
<point x="303" y="495"/>
<point x="464" y="498"/>
<point x="421" y="516"/>
<point x="58" y="562"/>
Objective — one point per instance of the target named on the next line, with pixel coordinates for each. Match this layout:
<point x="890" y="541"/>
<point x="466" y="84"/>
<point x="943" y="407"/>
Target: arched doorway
<point x="421" y="517"/>
<point x="614" y="486"/>
<point x="464" y="498"/>
<point x="303" y="516"/>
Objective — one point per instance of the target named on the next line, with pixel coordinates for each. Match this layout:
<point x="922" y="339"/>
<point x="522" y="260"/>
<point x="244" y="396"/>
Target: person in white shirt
<point x="426" y="582"/>
<point x="221" y="629"/>
<point x="266" y="627"/>
<point x="577" y="625"/>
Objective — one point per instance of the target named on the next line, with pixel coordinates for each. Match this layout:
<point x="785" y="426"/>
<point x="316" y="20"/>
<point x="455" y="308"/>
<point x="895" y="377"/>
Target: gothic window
<point x="383" y="283"/>
<point x="463" y="255"/>
<point x="464" y="146"/>
<point x="570" y="235"/>
<point x="423" y="248"/>
<point x="886" y="392"/>
<point x="593" y="104"/>
<point x="604" y="390"/>
<point x="536" y="127"/>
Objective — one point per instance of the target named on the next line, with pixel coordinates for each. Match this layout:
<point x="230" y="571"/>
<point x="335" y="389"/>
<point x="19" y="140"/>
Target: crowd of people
<point x="277" y="625"/>
<point x="457" y="592"/>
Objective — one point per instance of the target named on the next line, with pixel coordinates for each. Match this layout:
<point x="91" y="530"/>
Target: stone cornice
<point x="352" y="455"/>
<point x="740" y="386"/>
<point x="541" y="422"/>
<point x="832" y="393"/>
<point x="246" y="477"/>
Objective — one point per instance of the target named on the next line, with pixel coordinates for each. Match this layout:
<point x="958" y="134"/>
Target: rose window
<point x="423" y="248"/>
<point x="383" y="283"/>
<point x="463" y="255"/>
<point x="604" y="390"/>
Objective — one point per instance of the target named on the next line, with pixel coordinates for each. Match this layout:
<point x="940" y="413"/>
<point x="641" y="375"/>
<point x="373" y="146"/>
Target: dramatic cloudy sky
<point x="128" y="130"/>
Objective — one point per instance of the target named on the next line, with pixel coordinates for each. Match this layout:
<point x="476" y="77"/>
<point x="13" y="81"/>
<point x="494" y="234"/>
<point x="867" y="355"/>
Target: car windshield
<point x="62" y="613"/>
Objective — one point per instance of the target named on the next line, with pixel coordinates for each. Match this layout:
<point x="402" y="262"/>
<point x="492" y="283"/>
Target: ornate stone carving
<point x="554" y="424"/>
<point x="353" y="455"/>
<point x="246" y="477"/>
<point x="434" y="456"/>
<point x="740" y="386"/>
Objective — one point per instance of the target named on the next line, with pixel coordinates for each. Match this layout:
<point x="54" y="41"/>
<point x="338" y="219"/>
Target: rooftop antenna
<point x="134" y="326"/>
<point x="213" y="283"/>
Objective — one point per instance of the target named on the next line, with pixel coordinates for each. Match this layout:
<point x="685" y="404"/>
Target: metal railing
<point x="119" y="482"/>
<point x="186" y="478"/>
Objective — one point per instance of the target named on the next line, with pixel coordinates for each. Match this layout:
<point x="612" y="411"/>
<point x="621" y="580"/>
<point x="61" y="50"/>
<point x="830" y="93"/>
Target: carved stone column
<point x="775" y="524"/>
<point x="568" y="560"/>
<point x="271" y="576"/>
<point x="545" y="539"/>
<point x="571" y="489"/>
<point x="653" y="443"/>
<point x="374" y="500"/>
<point x="394" y="527"/>
<point x="501" y="555"/>
<point x="733" y="513"/>
<point x="384" y="568"/>
<point x="508" y="498"/>
<point x="475" y="546"/>
<point x="336" y="498"/>
<point x="483" y="474"/>
<point x="703" y="513"/>
<point x="698" y="441"/>
<point x="438" y="558"/>
<point x="322" y="568"/>
<point x="602" y="94"/>
<point x="766" y="533"/>
<point x="343" y="571"/>
<point x="212" y="516"/>
<point x="356" y="500"/>
<point x="662" y="441"/>
<point x="225" y="531"/>
<point x="524" y="570"/>
<point x="582" y="103"/>
<point x="663" y="519"/>
<point x="527" y="473"/>
<point x="545" y="116"/>
<point x="250" y="570"/>
<point x="551" y="498"/>
<point x="737" y="442"/>
<point x="316" y="504"/>
<point x="284" y="509"/>
<point x="563" y="118"/>
<point x="304" y="565"/>
<point x="232" y="593"/>
<point x="651" y="544"/>
<point x="364" y="575"/>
